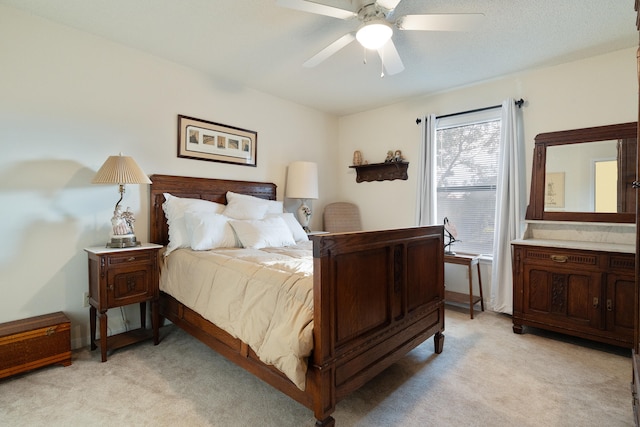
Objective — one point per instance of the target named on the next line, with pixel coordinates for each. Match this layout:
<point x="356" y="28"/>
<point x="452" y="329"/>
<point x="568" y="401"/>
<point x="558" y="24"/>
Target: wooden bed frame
<point x="377" y="295"/>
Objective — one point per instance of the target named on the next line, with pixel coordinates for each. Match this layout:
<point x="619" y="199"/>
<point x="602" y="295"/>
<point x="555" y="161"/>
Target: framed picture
<point x="554" y="190"/>
<point x="203" y="140"/>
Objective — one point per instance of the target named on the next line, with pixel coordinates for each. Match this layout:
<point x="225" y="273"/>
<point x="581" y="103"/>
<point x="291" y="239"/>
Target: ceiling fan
<point x="376" y="27"/>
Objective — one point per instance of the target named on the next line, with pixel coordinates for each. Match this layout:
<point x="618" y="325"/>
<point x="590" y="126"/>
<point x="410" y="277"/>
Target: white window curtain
<point x="426" y="197"/>
<point x="510" y="206"/>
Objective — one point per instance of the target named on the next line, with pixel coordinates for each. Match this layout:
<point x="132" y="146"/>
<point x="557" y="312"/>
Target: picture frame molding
<point x="216" y="142"/>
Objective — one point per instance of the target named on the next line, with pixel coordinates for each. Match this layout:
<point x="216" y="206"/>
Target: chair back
<point x="342" y="217"/>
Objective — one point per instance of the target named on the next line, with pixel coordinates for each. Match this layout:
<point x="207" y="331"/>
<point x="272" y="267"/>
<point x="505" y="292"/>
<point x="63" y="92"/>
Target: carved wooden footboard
<point x="377" y="295"/>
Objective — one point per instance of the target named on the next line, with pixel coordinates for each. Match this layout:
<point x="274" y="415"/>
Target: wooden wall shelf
<point x="381" y="171"/>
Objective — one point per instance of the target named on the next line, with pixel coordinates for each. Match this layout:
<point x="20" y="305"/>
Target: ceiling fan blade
<point x="390" y="58"/>
<point x="329" y="50"/>
<point x="441" y="22"/>
<point x="320" y="9"/>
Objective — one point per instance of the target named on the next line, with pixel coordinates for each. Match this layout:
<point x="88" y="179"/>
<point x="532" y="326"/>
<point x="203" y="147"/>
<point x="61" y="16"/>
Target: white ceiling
<point x="258" y="44"/>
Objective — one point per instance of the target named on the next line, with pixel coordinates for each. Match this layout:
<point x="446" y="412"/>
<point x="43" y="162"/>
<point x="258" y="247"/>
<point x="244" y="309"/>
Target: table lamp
<point x="302" y="183"/>
<point x="121" y="170"/>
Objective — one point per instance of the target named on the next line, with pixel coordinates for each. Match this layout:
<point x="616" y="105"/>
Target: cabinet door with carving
<point x="129" y="277"/>
<point x="562" y="297"/>
<point x="619" y="306"/>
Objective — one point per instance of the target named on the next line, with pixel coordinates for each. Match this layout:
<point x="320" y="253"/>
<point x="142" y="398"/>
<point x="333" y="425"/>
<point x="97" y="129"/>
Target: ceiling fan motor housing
<point x="375" y="31"/>
<point x="371" y="11"/>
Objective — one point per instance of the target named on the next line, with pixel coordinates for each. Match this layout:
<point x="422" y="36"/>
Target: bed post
<point x="323" y="385"/>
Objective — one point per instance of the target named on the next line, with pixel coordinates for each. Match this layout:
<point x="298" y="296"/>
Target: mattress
<point x="263" y="297"/>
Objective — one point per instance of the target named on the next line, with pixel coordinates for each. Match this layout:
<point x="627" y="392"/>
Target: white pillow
<point x="175" y="208"/>
<point x="243" y="206"/>
<point x="209" y="231"/>
<point x="299" y="235"/>
<point x="263" y="233"/>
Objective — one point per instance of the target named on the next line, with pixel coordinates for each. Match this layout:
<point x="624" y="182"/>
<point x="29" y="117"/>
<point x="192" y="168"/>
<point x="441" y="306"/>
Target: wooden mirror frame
<point x="626" y="161"/>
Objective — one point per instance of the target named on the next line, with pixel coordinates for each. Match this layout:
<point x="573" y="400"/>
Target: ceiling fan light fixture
<point x="374" y="34"/>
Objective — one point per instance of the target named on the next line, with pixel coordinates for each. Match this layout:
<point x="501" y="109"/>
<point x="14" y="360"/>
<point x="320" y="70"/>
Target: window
<point x="467" y="150"/>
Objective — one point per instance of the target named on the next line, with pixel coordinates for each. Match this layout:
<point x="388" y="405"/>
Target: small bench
<point x="460" y="298"/>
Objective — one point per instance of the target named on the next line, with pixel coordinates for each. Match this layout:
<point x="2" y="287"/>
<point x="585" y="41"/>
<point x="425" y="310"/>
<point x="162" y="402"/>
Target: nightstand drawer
<point x="137" y="257"/>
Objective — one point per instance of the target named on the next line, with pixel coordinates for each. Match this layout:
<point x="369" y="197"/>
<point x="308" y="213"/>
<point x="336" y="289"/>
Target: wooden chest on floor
<point x="34" y="342"/>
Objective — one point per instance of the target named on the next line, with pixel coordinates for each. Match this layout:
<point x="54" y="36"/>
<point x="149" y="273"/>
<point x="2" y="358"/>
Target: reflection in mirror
<point x="585" y="175"/>
<point x="605" y="185"/>
<point x="582" y="178"/>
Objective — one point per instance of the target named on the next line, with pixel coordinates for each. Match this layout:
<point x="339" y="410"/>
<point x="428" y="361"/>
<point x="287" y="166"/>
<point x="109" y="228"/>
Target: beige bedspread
<point x="263" y="297"/>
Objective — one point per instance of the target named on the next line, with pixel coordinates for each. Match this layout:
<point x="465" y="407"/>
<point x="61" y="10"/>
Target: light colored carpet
<point x="486" y="376"/>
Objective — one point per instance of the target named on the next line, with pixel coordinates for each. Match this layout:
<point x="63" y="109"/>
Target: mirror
<point x="585" y="175"/>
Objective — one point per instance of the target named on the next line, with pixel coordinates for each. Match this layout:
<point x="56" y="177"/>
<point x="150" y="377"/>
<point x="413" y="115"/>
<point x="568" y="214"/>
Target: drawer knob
<point x="132" y="258"/>
<point x="559" y="258"/>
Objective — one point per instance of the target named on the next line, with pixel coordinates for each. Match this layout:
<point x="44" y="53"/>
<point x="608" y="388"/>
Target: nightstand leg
<point x="103" y="335"/>
<point x="92" y="326"/>
<point x="155" y="321"/>
<point x="143" y="315"/>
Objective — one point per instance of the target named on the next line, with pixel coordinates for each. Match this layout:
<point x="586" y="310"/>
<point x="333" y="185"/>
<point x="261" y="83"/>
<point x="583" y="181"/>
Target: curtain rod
<point x="519" y="103"/>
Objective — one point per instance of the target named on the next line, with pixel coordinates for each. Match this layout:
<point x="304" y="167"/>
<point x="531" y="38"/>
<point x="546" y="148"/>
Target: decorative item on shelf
<point x="302" y="183"/>
<point x="389" y="157"/>
<point x="394" y="156"/>
<point x="121" y="170"/>
<point x="450" y="233"/>
<point x="357" y="158"/>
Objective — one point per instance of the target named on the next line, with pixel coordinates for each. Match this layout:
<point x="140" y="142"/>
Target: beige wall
<point x="68" y="100"/>
<point x="597" y="91"/>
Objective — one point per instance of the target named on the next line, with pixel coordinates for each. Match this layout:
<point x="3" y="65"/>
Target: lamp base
<point x="304" y="215"/>
<point x="123" y="241"/>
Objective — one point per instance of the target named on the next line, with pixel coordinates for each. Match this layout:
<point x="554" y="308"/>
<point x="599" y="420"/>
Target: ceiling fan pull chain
<point x="381" y="66"/>
<point x="364" y="55"/>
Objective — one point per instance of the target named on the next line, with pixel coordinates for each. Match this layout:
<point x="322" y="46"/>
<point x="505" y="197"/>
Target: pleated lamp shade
<point x="120" y="170"/>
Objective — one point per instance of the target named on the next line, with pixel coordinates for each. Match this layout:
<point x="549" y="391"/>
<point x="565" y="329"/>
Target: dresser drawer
<point x="623" y="263"/>
<point x="34" y="342"/>
<point x="559" y="256"/>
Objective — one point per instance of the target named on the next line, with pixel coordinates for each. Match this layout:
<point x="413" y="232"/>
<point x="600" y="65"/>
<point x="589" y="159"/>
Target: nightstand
<point x="118" y="277"/>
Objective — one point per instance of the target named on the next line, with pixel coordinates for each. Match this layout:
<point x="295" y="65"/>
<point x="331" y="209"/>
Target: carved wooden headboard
<point x="214" y="190"/>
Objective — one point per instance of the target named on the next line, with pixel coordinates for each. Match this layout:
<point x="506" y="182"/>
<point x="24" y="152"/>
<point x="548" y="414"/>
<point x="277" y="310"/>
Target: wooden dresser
<point x="585" y="293"/>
